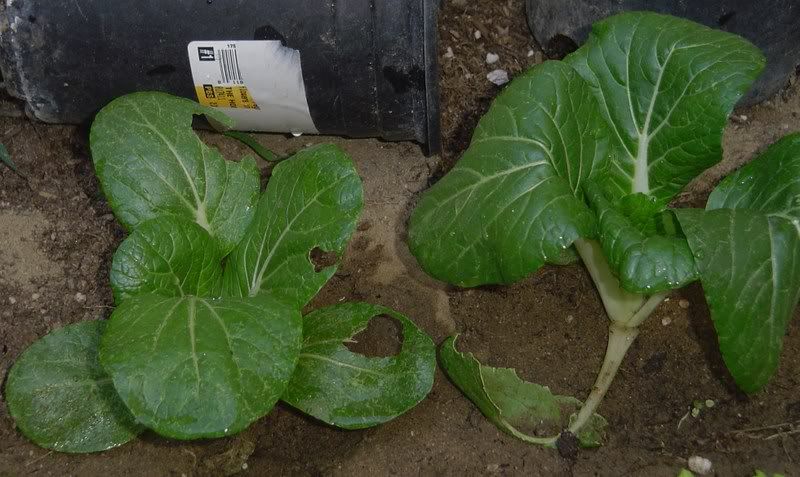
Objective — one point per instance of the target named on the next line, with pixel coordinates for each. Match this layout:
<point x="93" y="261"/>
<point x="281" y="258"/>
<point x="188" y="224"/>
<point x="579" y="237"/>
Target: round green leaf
<point x="167" y="256"/>
<point x="61" y="399"/>
<point x="352" y="391"/>
<point x="190" y="367"/>
<point x="150" y="163"/>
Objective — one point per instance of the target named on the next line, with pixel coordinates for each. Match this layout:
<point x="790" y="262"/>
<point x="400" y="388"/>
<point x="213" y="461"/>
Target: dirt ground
<point x="57" y="236"/>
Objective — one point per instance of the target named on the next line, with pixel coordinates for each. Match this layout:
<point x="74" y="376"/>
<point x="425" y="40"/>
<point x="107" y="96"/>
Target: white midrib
<point x="641" y="166"/>
<point x="641" y="173"/>
<point x="201" y="217"/>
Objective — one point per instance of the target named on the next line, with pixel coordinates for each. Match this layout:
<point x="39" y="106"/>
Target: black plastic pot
<point x="772" y="25"/>
<point x="369" y="66"/>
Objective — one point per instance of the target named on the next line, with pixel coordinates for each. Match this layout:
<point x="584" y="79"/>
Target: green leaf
<point x="167" y="256"/>
<point x="5" y="158"/>
<point x="313" y="200"/>
<point x="769" y="184"/>
<point x="150" y="164"/>
<point x="747" y="248"/>
<point x="510" y="203"/>
<point x="514" y="405"/>
<point x="61" y="399"/>
<point x="666" y="86"/>
<point x="352" y="391"/>
<point x="190" y="367"/>
<point x="644" y="263"/>
<point x="749" y="266"/>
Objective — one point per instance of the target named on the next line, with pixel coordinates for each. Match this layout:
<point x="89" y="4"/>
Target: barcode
<point x="229" y="67"/>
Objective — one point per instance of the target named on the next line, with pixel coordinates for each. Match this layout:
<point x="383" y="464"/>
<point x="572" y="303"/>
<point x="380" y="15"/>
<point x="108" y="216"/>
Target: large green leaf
<point x="749" y="266"/>
<point x="747" y="249"/>
<point x="61" y="399"/>
<point x="513" y="405"/>
<point x="510" y="203"/>
<point x="313" y="200"/>
<point x="167" y="256"/>
<point x="666" y="86"/>
<point x="190" y="367"/>
<point x="350" y="390"/>
<point x="646" y="261"/>
<point x="769" y="184"/>
<point x="150" y="163"/>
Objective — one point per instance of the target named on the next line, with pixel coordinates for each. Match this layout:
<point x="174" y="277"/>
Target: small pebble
<point x="35" y="296"/>
<point x="449" y="53"/>
<point x="530" y="53"/>
<point x="477" y="34"/>
<point x="570" y="318"/>
<point x="683" y="303"/>
<point x="80" y="297"/>
<point x="244" y="465"/>
<point x="710" y="403"/>
<point x="12" y="300"/>
<point x="699" y="465"/>
<point x="666" y="321"/>
<point x="498" y="77"/>
<point x="492" y="58"/>
<point x="493" y="468"/>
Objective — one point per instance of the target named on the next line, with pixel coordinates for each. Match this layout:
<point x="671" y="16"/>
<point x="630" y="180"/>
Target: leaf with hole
<point x="191" y="367"/>
<point x="350" y="390"/>
<point x="167" y="256"/>
<point x="151" y="164"/>
<point x="61" y="398"/>
<point x="312" y="201"/>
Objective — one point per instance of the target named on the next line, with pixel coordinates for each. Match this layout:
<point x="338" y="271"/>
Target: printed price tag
<point x="257" y="83"/>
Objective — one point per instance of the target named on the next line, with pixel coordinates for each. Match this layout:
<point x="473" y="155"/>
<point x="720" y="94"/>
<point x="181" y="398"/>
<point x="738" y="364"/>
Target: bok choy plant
<point x="207" y="334"/>
<point x="581" y="158"/>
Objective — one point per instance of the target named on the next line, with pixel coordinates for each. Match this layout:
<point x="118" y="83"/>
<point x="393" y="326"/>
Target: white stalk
<point x="626" y="311"/>
<point x="620" y="339"/>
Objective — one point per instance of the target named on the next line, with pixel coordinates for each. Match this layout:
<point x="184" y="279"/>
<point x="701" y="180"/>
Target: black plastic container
<point x="369" y="66"/>
<point x="772" y="25"/>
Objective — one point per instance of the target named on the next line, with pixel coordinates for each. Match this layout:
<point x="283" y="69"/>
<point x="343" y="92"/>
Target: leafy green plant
<point x="581" y="158"/>
<point x="207" y="334"/>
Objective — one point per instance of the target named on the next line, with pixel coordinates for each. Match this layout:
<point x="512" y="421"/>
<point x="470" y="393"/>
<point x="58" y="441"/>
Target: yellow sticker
<point x="219" y="96"/>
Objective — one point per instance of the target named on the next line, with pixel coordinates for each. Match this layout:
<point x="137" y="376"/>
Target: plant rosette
<point x="581" y="158"/>
<point x="207" y="334"/>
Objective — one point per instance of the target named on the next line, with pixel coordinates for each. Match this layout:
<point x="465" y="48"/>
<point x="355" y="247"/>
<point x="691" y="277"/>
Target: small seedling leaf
<point x="645" y="262"/>
<point x="5" y="158"/>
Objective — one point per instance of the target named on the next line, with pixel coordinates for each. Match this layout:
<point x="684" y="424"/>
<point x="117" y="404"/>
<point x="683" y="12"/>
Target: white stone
<point x="498" y="77"/>
<point x="700" y="465"/>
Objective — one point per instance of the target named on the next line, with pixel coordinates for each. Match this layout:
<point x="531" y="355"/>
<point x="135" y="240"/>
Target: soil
<point x="57" y="236"/>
